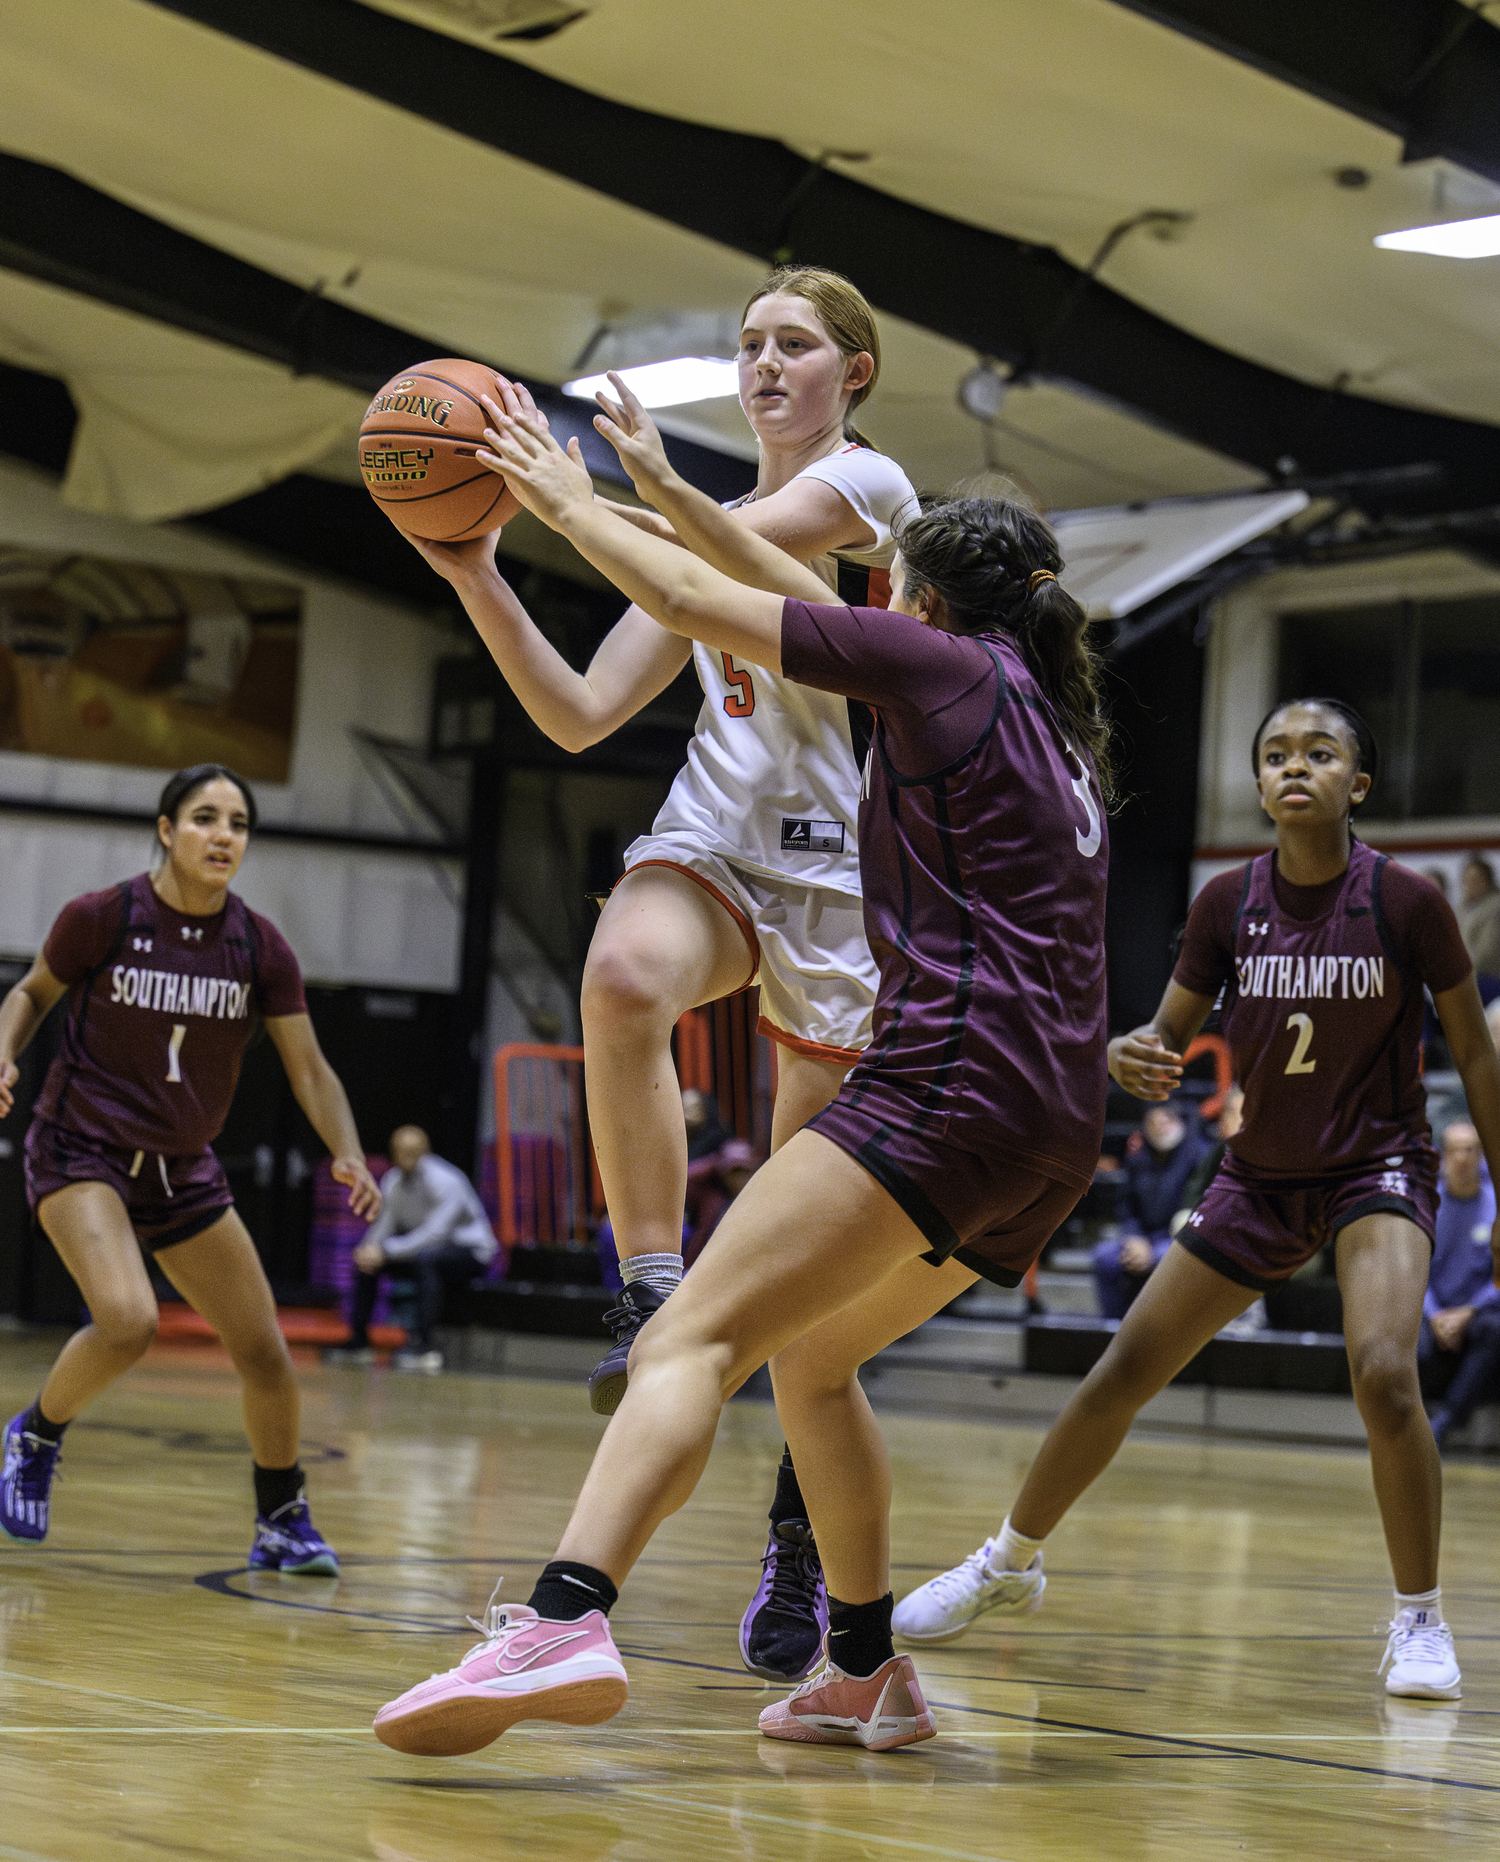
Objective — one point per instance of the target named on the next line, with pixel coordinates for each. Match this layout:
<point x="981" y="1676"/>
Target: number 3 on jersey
<point x="741" y="701"/>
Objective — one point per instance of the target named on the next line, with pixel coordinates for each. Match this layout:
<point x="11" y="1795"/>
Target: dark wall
<point x="1156" y="694"/>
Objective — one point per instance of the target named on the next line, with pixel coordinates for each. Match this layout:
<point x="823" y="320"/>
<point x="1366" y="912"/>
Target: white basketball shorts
<point x="806" y="947"/>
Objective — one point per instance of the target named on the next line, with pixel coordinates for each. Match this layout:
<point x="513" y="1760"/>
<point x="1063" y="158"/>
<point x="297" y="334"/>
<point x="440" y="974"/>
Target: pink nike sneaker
<point x="834" y="1709"/>
<point x="527" y="1668"/>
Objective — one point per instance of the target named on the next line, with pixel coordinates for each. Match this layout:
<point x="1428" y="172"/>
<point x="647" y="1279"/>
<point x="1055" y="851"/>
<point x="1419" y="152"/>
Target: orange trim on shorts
<point x="747" y="930"/>
<point x="814" y="1050"/>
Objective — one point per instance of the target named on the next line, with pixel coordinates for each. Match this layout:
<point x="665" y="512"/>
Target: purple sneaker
<point x="289" y="1541"/>
<point x="781" y="1634"/>
<point x="26" y="1480"/>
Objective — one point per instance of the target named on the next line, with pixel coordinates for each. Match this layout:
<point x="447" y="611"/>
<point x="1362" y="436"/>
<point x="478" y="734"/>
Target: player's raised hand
<point x="364" y="1193"/>
<point x="9" y="1074"/>
<point x="548" y="481"/>
<point x="635" y="437"/>
<point x="1144" y="1065"/>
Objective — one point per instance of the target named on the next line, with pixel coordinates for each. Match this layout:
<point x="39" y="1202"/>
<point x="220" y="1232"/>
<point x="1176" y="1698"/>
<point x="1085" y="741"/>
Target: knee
<point x="665" y="1345"/>
<point x="128" y="1326"/>
<point x="262" y="1358"/>
<point x="1385" y="1386"/>
<point x="622" y="987"/>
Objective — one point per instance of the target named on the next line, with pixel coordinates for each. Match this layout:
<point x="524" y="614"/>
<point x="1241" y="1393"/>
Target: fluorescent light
<point x="1455" y="239"/>
<point x="666" y="384"/>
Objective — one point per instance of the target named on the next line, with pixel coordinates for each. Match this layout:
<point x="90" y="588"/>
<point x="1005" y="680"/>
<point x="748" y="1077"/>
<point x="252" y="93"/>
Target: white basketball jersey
<point x="771" y="781"/>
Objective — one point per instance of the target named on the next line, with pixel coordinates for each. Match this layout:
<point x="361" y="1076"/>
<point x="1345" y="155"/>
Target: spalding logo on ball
<point x="416" y="451"/>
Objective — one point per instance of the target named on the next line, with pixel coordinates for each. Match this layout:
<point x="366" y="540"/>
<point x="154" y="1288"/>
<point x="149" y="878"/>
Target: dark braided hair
<point x="1367" y="751"/>
<point x="995" y="564"/>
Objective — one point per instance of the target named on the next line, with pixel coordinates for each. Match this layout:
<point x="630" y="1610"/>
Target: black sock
<point x="566" y="1591"/>
<point x="35" y="1423"/>
<point x="859" y="1634"/>
<point x="788" y="1503"/>
<point x="276" y="1487"/>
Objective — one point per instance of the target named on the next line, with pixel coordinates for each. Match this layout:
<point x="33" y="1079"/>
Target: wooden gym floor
<point x="1201" y="1683"/>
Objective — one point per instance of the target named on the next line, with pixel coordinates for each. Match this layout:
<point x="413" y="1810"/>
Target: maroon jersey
<point x="158" y="1014"/>
<point x="1323" y="1006"/>
<point x="982" y="861"/>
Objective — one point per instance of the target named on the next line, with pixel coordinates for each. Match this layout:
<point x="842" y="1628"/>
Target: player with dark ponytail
<point x="960" y="1140"/>
<point x="163" y="975"/>
<point x="1321" y="949"/>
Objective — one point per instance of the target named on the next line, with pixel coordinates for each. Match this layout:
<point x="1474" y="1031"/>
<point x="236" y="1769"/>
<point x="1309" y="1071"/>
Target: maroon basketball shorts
<point x="993" y="1213"/>
<point x="168" y="1199"/>
<point x="1258" y="1230"/>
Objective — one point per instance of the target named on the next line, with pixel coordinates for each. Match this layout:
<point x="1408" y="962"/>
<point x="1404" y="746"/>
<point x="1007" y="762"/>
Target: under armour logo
<point x="190" y="931"/>
<point x="1258" y="930"/>
<point x="141" y="943"/>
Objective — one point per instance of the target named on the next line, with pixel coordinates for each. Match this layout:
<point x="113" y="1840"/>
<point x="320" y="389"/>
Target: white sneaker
<point x="945" y="1606"/>
<point x="1420" y="1657"/>
<point x="427" y="1362"/>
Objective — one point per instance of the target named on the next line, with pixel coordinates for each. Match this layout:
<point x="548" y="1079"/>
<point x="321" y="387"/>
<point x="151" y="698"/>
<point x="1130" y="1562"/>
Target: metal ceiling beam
<point x="996" y="295"/>
<point x="56" y="229"/>
<point x="1427" y="71"/>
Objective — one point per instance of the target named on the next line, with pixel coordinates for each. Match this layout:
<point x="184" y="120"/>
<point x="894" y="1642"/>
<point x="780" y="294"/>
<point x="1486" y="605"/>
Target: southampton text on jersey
<point x="1286" y="978"/>
<point x="176" y="994"/>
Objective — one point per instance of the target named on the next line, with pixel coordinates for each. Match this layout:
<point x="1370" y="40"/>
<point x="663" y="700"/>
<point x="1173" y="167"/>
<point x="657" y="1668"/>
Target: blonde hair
<point x="844" y="313"/>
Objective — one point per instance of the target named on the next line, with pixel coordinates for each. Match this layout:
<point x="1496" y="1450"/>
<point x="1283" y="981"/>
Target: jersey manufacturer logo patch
<point x="1395" y="1183"/>
<point x="1258" y="930"/>
<point x="812" y="836"/>
<point x="189" y="932"/>
<point x="140" y="943"/>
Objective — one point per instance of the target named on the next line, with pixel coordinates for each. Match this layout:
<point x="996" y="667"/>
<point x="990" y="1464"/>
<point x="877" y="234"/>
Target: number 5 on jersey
<point x="741" y="701"/>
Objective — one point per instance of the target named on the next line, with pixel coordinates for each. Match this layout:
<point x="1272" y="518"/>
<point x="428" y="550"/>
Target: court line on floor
<point x="1079" y="1728"/>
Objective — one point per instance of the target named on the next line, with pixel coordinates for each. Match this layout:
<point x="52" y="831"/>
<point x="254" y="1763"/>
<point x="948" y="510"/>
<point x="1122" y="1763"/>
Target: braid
<point x="995" y="563"/>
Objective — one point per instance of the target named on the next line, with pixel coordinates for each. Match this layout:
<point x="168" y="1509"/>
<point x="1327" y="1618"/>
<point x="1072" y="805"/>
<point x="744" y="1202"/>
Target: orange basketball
<point x="416" y="451"/>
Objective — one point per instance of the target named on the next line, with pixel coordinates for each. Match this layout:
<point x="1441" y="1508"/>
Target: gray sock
<point x="661" y="1271"/>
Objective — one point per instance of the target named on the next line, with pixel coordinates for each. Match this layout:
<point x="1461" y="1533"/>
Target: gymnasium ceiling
<point x="222" y="222"/>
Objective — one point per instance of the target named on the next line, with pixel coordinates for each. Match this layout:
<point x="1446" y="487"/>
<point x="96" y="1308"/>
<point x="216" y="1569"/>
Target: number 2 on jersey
<point x="1299" y="1063"/>
<point x="741" y="701"/>
<point x="174" y="1054"/>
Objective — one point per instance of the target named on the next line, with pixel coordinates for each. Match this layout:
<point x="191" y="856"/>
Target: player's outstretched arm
<point x="320" y="1093"/>
<point x="670" y="584"/>
<point x="1147" y="1062"/>
<point x="1467" y="1033"/>
<point x="733" y="542"/>
<point x="21" y="1014"/>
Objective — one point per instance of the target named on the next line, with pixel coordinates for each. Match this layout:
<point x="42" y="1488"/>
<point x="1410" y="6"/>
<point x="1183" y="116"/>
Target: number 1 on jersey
<point x="174" y="1054"/>
<point x="741" y="701"/>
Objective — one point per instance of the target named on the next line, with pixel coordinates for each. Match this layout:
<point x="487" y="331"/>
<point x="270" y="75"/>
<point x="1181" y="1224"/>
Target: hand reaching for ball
<point x="548" y="481"/>
<point x="635" y="437"/>
<point x="463" y="562"/>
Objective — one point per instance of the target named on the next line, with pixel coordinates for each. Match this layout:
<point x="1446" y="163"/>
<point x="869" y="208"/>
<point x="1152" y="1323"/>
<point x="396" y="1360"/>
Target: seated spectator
<point x="1479" y="921"/>
<point x="1459" y="1350"/>
<point x="1156" y="1174"/>
<point x="705" y="1130"/>
<point x="431" y="1230"/>
<point x="713" y="1183"/>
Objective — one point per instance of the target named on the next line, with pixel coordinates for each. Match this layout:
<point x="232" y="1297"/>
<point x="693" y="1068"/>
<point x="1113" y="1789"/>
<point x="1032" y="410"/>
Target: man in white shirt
<point x="431" y="1230"/>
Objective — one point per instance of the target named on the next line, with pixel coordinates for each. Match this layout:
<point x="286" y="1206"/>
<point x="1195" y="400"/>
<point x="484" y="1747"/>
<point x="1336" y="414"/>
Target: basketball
<point x="416" y="451"/>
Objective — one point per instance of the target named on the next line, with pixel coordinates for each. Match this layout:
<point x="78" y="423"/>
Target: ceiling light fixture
<point x="1455" y="239"/>
<point x="981" y="393"/>
<point x="667" y="384"/>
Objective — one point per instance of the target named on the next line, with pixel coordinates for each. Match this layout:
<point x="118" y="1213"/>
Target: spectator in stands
<point x="1479" y="921"/>
<point x="705" y="1129"/>
<point x="1459" y="1351"/>
<point x="1172" y="1147"/>
<point x="713" y="1182"/>
<point x="432" y="1231"/>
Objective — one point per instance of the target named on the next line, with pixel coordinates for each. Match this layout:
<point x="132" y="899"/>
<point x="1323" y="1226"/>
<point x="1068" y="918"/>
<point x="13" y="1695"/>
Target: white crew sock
<point x="661" y="1271"/>
<point x="1430" y="1601"/>
<point x="1013" y="1551"/>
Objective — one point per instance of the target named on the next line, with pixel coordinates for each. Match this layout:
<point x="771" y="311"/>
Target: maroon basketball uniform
<point x="979" y="1104"/>
<point x="156" y="1020"/>
<point x="1322" y="1009"/>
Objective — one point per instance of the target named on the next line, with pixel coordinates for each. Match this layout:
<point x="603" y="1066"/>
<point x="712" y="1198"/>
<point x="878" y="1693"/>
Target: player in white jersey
<point x="751" y="871"/>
